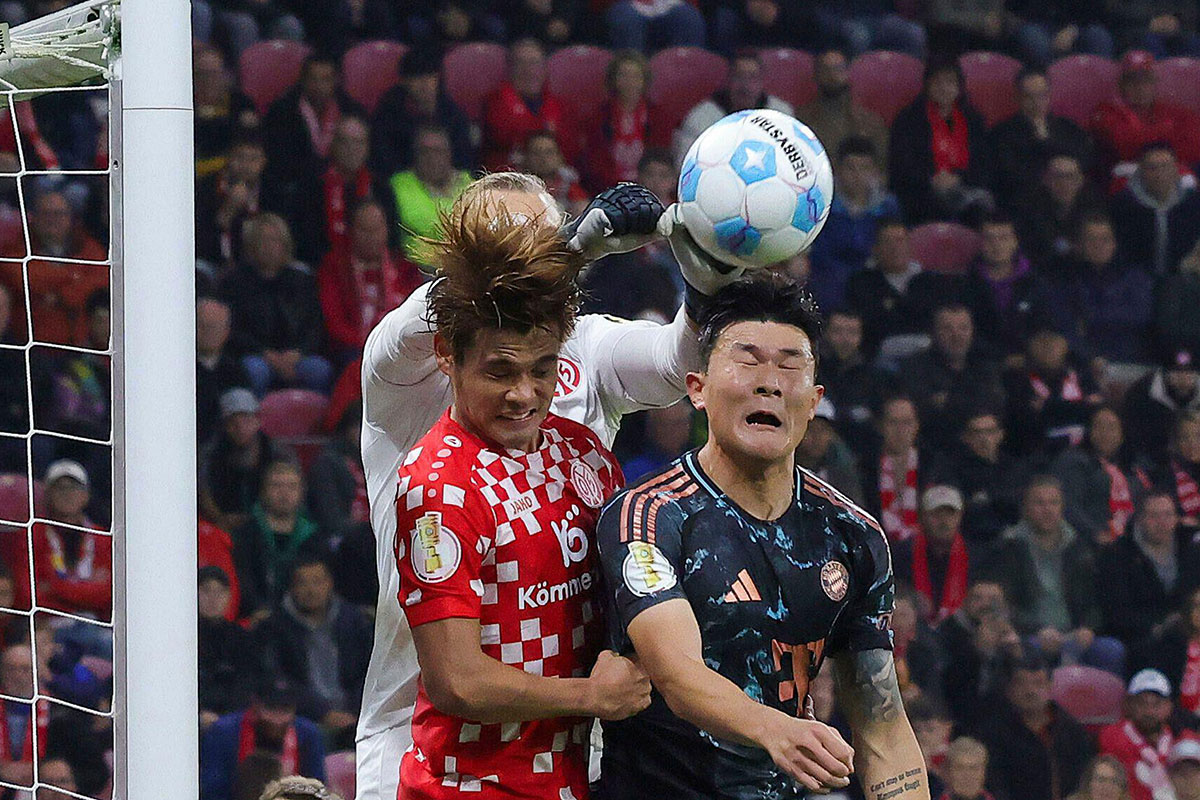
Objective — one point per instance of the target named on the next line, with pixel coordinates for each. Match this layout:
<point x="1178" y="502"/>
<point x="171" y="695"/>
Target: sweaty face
<point x="758" y="391"/>
<point x="503" y="384"/>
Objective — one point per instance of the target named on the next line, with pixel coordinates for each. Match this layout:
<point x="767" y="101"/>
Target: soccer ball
<point x="755" y="188"/>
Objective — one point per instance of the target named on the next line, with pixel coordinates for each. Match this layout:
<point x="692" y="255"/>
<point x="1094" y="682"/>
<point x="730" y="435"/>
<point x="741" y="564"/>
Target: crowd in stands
<point x="1011" y="354"/>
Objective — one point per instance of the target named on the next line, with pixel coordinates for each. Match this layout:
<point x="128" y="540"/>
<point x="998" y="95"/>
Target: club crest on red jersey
<point x="587" y="484"/>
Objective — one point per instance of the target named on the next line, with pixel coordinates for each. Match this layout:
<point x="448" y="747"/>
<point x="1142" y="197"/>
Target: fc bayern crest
<point x="568" y="377"/>
<point x="587" y="484"/>
<point x="835" y="580"/>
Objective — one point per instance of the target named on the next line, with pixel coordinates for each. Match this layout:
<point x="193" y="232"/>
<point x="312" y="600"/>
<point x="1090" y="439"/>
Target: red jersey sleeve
<point x="444" y="532"/>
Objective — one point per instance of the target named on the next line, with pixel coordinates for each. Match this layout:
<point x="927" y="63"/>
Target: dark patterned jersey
<point x="772" y="599"/>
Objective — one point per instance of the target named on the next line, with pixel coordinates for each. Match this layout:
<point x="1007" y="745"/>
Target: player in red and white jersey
<point x="608" y="368"/>
<point x="495" y="509"/>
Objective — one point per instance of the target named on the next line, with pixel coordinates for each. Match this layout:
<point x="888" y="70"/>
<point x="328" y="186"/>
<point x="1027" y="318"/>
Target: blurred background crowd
<point x="1010" y="276"/>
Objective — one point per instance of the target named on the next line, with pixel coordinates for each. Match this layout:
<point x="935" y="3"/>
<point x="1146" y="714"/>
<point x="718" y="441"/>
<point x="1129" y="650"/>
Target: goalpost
<point x="137" y="54"/>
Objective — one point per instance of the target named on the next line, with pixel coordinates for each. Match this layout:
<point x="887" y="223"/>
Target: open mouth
<point x="518" y="417"/>
<point x="763" y="419"/>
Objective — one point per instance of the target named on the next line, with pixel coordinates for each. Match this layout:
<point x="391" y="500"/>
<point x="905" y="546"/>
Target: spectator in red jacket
<point x="621" y="132"/>
<point x="72" y="568"/>
<point x="1122" y="127"/>
<point x="362" y="280"/>
<point x="522" y="105"/>
<point x="1142" y="740"/>
<point x="214" y="548"/>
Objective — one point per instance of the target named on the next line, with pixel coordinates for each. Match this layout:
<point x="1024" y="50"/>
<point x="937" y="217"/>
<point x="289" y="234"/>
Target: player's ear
<point x="815" y="400"/>
<point x="695" y="388"/>
<point x="442" y="353"/>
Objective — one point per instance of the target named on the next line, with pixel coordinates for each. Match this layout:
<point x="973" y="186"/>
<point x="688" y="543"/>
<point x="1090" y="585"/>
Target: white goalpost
<point x="135" y="54"/>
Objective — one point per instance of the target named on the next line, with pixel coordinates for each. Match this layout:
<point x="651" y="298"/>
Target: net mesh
<point x="56" y="441"/>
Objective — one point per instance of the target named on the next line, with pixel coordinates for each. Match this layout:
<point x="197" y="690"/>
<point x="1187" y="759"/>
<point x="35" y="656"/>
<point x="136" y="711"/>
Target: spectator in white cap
<point x="936" y="561"/>
<point x="72" y="568"/>
<point x="1183" y="768"/>
<point x="232" y="463"/>
<point x="824" y="454"/>
<point x="1146" y="574"/>
<point x="1143" y="739"/>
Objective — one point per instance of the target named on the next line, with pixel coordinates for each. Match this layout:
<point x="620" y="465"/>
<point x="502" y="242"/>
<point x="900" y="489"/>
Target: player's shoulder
<point x="841" y="512"/>
<point x="641" y="508"/>
<point x="445" y="450"/>
<point x="590" y="330"/>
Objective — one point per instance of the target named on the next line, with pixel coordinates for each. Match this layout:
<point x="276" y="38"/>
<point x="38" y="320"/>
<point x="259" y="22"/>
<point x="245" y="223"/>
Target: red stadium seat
<point x="944" y="247"/>
<point x="788" y="74"/>
<point x="14" y="497"/>
<point x="370" y="69"/>
<point x="1179" y="82"/>
<point x="293" y="413"/>
<point x="681" y="78"/>
<point x="578" y="73"/>
<point x="1080" y="83"/>
<point x="1091" y="695"/>
<point x="471" y="72"/>
<point x="268" y="69"/>
<point x="990" y="86"/>
<point x="339" y="773"/>
<point x="885" y="82"/>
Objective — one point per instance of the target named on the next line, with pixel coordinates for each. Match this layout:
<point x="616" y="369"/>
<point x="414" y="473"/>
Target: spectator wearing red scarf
<point x="1143" y="739"/>
<point x="270" y="725"/>
<point x="323" y="223"/>
<point x="362" y="280"/>
<point x="621" y="132"/>
<point x="522" y="105"/>
<point x="935" y="561"/>
<point x="938" y="159"/>
<point x="1098" y="487"/>
<point x="893" y="475"/>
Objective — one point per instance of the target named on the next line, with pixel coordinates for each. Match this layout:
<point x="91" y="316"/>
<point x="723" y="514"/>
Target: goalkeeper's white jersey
<point x="608" y="368"/>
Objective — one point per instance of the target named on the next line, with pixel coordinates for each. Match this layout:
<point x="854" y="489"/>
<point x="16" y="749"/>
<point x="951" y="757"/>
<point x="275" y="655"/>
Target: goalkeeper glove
<point x="617" y="220"/>
<point x="703" y="274"/>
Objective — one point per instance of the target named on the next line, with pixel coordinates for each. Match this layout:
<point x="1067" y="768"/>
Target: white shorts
<point x="377" y="763"/>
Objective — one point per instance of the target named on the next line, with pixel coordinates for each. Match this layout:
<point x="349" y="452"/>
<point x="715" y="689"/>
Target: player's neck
<point x="763" y="489"/>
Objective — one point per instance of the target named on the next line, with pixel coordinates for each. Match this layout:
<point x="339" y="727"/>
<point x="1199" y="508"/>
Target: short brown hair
<point x="498" y="271"/>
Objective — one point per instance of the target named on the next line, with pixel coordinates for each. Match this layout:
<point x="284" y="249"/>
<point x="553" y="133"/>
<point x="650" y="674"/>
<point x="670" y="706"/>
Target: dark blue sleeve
<point x="866" y="622"/>
<point x="312" y="749"/>
<point x="218" y="758"/>
<point x="640" y="548"/>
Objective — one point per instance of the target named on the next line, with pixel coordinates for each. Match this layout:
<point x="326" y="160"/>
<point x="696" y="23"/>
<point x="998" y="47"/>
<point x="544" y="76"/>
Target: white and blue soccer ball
<point x="755" y="188"/>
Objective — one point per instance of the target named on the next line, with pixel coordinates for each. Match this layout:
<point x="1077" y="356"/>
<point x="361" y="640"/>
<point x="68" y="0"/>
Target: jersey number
<point x="571" y="540"/>
<point x="802" y="661"/>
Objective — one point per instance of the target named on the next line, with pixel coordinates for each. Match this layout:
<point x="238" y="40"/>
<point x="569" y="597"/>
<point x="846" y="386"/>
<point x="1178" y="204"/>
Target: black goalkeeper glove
<point x="618" y="220"/>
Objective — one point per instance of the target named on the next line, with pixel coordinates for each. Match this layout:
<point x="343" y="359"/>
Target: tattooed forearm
<point x="867" y="687"/>
<point x="907" y="781"/>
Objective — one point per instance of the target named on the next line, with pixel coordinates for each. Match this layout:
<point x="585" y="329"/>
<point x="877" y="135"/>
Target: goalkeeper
<point x="607" y="368"/>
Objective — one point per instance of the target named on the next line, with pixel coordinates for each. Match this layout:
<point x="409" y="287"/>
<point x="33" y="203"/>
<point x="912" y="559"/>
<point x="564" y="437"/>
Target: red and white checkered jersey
<point x="503" y="536"/>
<point x="607" y="368"/>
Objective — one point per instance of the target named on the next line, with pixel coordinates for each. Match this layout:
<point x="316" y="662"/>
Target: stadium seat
<point x="1080" y="83"/>
<point x="339" y="773"/>
<point x="945" y="247"/>
<point x="885" y="82"/>
<point x="788" y="74"/>
<point x="470" y="72"/>
<point x="268" y="69"/>
<point x="1179" y="82"/>
<point x="680" y="78"/>
<point x="990" y="87"/>
<point x="578" y="72"/>
<point x="14" y="497"/>
<point x="370" y="69"/>
<point x="293" y="413"/>
<point x="1091" y="695"/>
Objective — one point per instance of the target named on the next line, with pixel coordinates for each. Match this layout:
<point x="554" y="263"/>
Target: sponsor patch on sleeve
<point x="436" y="551"/>
<point x="646" y="570"/>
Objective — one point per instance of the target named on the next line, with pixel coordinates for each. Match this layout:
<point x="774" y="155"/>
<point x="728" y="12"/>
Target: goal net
<point x="67" y="532"/>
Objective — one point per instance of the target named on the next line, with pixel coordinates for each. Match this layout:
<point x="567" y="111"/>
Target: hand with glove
<point x="703" y="274"/>
<point x="618" y="220"/>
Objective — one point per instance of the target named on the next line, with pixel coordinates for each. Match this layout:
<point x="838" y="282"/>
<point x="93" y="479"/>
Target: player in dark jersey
<point x="733" y="574"/>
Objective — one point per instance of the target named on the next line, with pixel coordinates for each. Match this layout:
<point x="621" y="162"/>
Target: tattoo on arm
<point x="867" y="687"/>
<point x="896" y="785"/>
